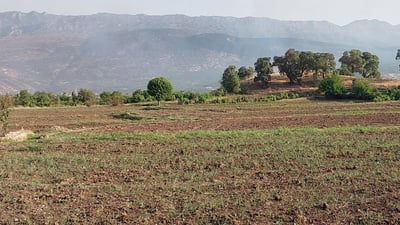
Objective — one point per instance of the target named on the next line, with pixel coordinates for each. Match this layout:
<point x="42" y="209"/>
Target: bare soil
<point x="81" y="169"/>
<point x="173" y="117"/>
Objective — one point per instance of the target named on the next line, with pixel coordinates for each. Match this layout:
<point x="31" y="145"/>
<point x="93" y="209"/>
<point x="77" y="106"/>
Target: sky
<point x="340" y="12"/>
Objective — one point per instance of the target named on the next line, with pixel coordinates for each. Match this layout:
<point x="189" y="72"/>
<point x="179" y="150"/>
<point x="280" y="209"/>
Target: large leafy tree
<point x="370" y="65"/>
<point x="324" y="63"/>
<point x="245" y="72"/>
<point x="230" y="80"/>
<point x="306" y="62"/>
<point x="289" y="65"/>
<point x="160" y="88"/>
<point x="86" y="97"/>
<point x="364" y="63"/>
<point x="24" y="98"/>
<point x="352" y="62"/>
<point x="263" y="68"/>
<point x="295" y="64"/>
<point x="42" y="99"/>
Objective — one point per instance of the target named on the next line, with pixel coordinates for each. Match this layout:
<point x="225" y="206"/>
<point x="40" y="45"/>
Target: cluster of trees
<point x="82" y="97"/>
<point x="295" y="64"/>
<point x="364" y="63"/>
<point x="158" y="89"/>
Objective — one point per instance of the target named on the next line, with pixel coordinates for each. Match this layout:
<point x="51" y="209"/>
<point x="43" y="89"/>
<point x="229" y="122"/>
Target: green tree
<point x="324" y="63"/>
<point x="289" y="65"/>
<point x="332" y="86"/>
<point x="65" y="99"/>
<point x="116" y="98"/>
<point x="364" y="63"/>
<point x="230" y="80"/>
<point x="370" y="65"/>
<point x="24" y="98"/>
<point x="86" y="97"/>
<point x="307" y="62"/>
<point x="105" y="97"/>
<point x="351" y="62"/>
<point x="246" y="72"/>
<point x="263" y="68"/>
<point x="42" y="99"/>
<point x="160" y="88"/>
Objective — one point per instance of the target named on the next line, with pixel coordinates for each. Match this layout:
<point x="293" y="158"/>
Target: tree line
<point x="295" y="64"/>
<point x="158" y="89"/>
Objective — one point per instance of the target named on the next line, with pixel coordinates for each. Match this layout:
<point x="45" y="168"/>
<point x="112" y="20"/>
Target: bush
<point x="394" y="93"/>
<point x="332" y="86"/>
<point x="362" y="89"/>
<point x="219" y="92"/>
<point x="382" y="98"/>
<point x="184" y="101"/>
<point x="140" y="96"/>
<point x="201" y="98"/>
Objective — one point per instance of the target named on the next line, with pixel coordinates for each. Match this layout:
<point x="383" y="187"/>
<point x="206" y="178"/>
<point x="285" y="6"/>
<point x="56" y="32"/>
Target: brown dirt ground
<point x="92" y="196"/>
<point x="173" y="117"/>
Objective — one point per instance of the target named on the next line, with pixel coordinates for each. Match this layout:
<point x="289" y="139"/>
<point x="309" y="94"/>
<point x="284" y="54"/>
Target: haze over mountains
<point x="105" y="52"/>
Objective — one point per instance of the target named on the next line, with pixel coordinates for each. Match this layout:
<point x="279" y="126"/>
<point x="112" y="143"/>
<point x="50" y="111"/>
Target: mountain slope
<point x="122" y="52"/>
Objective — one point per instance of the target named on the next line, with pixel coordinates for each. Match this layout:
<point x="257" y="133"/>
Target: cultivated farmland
<point x="292" y="161"/>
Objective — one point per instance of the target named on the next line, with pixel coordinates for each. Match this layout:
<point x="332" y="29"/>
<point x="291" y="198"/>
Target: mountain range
<point x="106" y="52"/>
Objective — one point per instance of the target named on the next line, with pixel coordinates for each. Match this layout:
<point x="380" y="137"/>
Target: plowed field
<point x="288" y="162"/>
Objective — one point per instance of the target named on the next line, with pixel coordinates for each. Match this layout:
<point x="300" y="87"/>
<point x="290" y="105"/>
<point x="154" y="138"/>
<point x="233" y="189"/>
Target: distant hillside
<point x="122" y="52"/>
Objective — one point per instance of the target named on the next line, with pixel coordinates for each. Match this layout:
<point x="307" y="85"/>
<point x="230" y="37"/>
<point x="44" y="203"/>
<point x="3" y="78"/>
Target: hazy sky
<point x="340" y="12"/>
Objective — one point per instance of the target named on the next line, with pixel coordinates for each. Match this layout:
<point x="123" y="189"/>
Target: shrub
<point x="201" y="98"/>
<point x="332" y="86"/>
<point x="362" y="89"/>
<point x="219" y="92"/>
<point x="140" y="96"/>
<point x="382" y="98"/>
<point x="394" y="93"/>
<point x="184" y="101"/>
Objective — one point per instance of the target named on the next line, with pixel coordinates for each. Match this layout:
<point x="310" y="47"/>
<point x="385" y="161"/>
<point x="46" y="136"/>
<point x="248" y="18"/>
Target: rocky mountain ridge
<point x="54" y="53"/>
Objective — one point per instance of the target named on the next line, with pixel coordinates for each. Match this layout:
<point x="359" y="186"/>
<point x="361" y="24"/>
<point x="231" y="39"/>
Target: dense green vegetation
<point x="333" y="87"/>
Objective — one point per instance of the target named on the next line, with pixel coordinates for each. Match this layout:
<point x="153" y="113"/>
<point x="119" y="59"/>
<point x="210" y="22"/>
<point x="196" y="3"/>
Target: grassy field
<point x="288" y="162"/>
